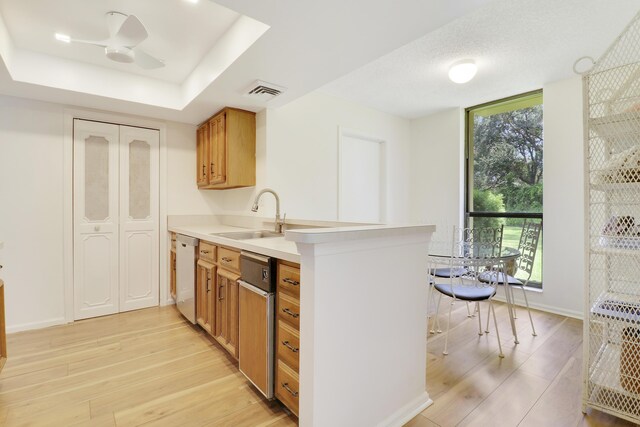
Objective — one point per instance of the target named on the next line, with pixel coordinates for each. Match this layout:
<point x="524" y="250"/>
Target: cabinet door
<point x="217" y="151"/>
<point x="172" y="274"/>
<point x="226" y="311"/>
<point x="221" y="155"/>
<point x="202" y="154"/>
<point x="205" y="275"/>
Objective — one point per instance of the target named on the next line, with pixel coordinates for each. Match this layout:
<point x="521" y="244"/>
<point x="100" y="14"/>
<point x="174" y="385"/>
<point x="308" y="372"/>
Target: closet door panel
<point x="139" y="223"/>
<point x="95" y="219"/>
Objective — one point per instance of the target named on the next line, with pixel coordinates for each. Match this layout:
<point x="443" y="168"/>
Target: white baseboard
<point x="407" y="412"/>
<point x="544" y="307"/>
<point x="36" y="325"/>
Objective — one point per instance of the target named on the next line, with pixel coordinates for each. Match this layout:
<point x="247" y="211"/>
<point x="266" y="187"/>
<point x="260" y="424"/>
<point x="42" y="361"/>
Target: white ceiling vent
<point x="263" y="91"/>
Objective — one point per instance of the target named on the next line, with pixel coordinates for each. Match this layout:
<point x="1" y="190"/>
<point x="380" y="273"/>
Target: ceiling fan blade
<point x="146" y="61"/>
<point x="101" y="43"/>
<point x="131" y="32"/>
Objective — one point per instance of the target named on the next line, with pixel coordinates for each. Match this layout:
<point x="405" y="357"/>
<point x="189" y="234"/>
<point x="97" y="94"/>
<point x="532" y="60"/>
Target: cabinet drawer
<point x="289" y="279"/>
<point x="288" y="345"/>
<point x="207" y="251"/>
<point x="229" y="259"/>
<point x="289" y="310"/>
<point x="287" y="386"/>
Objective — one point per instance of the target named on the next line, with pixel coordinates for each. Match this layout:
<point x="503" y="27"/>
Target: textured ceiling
<point x="519" y="45"/>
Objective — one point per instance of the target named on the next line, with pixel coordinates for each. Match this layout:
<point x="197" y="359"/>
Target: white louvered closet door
<point x="96" y="234"/>
<point x="139" y="223"/>
<point x="116" y="218"/>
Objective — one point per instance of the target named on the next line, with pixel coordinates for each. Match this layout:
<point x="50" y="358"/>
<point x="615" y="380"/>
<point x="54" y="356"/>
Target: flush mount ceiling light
<point x="63" y="38"/>
<point x="463" y="71"/>
<point x="192" y="1"/>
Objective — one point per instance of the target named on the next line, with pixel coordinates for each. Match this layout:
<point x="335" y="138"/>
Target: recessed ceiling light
<point x="63" y="38"/>
<point x="463" y="71"/>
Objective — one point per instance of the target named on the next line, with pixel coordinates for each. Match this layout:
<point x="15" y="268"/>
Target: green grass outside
<point x="511" y="238"/>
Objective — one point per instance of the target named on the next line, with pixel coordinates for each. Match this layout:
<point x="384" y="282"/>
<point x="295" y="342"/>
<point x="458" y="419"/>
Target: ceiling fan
<point x="126" y="32"/>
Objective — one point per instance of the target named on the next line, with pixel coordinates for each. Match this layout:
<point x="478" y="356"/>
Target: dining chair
<point x="528" y="247"/>
<point x="476" y="250"/>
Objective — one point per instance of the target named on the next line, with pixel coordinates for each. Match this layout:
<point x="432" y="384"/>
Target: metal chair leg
<point x="479" y="319"/>
<point x="495" y="322"/>
<point x="446" y="337"/>
<point x="486" y="330"/>
<point x="526" y="301"/>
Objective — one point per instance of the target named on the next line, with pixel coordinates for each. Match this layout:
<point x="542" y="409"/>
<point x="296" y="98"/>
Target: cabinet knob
<point x="96" y="228"/>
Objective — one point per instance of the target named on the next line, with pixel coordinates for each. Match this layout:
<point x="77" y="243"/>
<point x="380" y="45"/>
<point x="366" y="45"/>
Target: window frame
<point x="525" y="99"/>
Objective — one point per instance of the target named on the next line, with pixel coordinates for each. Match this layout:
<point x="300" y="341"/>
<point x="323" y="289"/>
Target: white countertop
<point x="276" y="247"/>
<point x="336" y="234"/>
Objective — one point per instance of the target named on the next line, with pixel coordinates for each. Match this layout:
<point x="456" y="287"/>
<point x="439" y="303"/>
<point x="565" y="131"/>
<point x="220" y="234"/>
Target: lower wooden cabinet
<point x="172" y="267"/>
<point x="287" y="388"/>
<point x="3" y="335"/>
<point x="226" y="310"/>
<point x="205" y="288"/>
<point x="172" y="274"/>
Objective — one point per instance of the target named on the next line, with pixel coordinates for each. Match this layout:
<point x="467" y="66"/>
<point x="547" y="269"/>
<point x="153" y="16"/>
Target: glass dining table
<point x="452" y="256"/>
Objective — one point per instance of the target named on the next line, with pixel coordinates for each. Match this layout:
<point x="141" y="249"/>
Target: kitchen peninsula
<point x="362" y="297"/>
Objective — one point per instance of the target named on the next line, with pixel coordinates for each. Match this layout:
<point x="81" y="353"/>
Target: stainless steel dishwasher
<point x="186" y="276"/>
<point x="256" y="320"/>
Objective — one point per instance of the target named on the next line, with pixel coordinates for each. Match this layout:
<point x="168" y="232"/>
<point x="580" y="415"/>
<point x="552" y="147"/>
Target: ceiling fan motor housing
<point x="120" y="54"/>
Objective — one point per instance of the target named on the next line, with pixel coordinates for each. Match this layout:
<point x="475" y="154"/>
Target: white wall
<point x="563" y="198"/>
<point x="438" y="188"/>
<point x="31" y="205"/>
<point x="31" y="211"/>
<point x="183" y="196"/>
<point x="298" y="158"/>
<point x="437" y="165"/>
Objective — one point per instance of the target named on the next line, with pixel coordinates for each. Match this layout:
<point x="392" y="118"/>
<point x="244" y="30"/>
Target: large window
<point x="504" y="168"/>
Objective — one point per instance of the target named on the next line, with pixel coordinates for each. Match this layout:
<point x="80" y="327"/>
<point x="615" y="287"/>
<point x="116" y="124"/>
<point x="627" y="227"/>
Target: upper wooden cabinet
<point x="226" y="150"/>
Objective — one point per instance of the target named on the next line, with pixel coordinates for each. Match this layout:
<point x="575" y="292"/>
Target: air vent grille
<point x="263" y="90"/>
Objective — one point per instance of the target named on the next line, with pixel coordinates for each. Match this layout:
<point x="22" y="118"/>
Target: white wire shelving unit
<point x="612" y="164"/>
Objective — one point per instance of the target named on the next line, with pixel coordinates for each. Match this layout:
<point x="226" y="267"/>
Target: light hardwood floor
<point x="150" y="367"/>
<point x="145" y="367"/>
<point x="538" y="383"/>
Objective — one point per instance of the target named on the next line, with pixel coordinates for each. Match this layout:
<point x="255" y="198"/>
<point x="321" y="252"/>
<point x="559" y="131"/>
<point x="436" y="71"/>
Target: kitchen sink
<point x="247" y="235"/>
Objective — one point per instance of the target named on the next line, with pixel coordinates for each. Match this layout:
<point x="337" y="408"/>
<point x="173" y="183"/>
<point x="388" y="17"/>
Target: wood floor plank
<point x="509" y="402"/>
<point x="258" y="414"/>
<point x="32" y="378"/>
<point x="197" y="407"/>
<point x="462" y="398"/>
<point x="563" y="398"/>
<point x="157" y="388"/>
<point x="84" y="373"/>
<point x="62" y="415"/>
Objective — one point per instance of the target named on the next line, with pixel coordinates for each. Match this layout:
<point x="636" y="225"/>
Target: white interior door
<point x="139" y="223"/>
<point x="95" y="249"/>
<point x="361" y="188"/>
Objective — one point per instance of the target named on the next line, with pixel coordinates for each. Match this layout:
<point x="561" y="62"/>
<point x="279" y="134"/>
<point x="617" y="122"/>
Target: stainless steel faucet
<point x="279" y="225"/>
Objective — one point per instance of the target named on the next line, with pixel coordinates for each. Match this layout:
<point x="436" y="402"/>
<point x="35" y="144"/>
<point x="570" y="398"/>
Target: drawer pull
<point x="289" y="346"/>
<point x="291" y="281"/>
<point x="290" y="313"/>
<point x="204" y="252"/>
<point x="225" y="259"/>
<point x="286" y="387"/>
